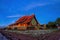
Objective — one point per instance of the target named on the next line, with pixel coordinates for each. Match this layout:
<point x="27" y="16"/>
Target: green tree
<point x="51" y="25"/>
<point x="57" y="21"/>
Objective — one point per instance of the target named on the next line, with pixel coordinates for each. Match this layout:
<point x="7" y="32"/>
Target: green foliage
<point x="57" y="21"/>
<point x="53" y="24"/>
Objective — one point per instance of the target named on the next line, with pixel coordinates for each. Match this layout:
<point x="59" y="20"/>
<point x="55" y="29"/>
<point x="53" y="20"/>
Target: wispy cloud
<point x="56" y="0"/>
<point x="14" y="16"/>
<point x="33" y="5"/>
<point x="39" y="4"/>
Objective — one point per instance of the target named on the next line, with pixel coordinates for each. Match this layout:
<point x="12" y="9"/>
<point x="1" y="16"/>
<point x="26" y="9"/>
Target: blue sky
<point x="44" y="10"/>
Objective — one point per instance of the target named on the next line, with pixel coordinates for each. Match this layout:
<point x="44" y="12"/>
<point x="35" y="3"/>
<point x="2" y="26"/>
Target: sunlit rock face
<point x="25" y="22"/>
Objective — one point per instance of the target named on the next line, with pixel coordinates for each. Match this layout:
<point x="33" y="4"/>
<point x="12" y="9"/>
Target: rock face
<point x="24" y="23"/>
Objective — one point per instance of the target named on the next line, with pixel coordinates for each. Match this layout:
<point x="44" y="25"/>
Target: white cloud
<point x="14" y="16"/>
<point x="33" y="5"/>
<point x="37" y="4"/>
<point x="55" y="0"/>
